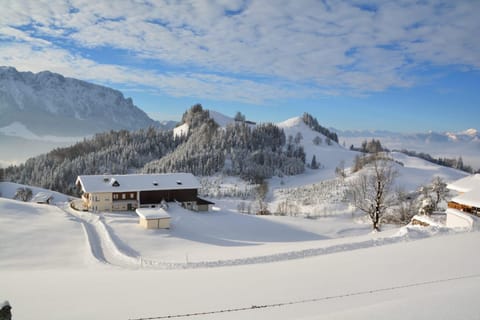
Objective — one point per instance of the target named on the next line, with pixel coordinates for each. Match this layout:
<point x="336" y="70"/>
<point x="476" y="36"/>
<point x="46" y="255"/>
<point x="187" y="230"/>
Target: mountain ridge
<point x="48" y="103"/>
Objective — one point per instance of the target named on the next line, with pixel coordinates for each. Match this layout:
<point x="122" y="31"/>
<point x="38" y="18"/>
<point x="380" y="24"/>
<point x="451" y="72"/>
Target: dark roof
<point x="203" y="201"/>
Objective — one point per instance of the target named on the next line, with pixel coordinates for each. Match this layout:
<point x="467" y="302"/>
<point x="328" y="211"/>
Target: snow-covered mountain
<point x="469" y="135"/>
<point x="438" y="144"/>
<point x="47" y="103"/>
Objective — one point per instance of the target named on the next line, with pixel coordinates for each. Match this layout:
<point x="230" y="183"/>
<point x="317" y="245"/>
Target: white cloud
<point x="207" y="86"/>
<point x="326" y="45"/>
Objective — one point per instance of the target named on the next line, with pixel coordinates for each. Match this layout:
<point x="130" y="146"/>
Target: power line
<point x="273" y="305"/>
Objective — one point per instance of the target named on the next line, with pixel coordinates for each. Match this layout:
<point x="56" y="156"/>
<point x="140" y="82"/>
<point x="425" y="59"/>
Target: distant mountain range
<point x="41" y="111"/>
<point x="465" y="144"/>
<point x="469" y="135"/>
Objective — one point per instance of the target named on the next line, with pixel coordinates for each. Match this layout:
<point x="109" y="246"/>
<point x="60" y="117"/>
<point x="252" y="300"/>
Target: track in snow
<point x="102" y="245"/>
<point x="106" y="247"/>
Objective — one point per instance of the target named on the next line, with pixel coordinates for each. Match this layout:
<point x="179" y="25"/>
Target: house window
<point x="124" y="196"/>
<point x="132" y="195"/>
<point x="115" y="197"/>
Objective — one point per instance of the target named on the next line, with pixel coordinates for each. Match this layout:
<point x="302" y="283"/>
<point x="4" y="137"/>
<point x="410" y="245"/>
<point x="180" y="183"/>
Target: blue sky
<point x="392" y="65"/>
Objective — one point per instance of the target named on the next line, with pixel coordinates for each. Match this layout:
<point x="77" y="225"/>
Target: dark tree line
<point x="315" y="126"/>
<point x="114" y="152"/>
<point x="446" y="162"/>
<point x="253" y="153"/>
<point x="372" y="146"/>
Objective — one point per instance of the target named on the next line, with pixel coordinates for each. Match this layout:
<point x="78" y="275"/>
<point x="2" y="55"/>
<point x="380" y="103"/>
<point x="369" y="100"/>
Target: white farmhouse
<point x="132" y="191"/>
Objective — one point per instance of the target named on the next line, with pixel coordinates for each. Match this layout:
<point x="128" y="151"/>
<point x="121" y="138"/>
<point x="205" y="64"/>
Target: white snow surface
<point x="326" y="268"/>
<point x="467" y="184"/>
<point x="152" y="213"/>
<point x="47" y="271"/>
<point x="137" y="182"/>
<point x="8" y="189"/>
<point x="58" y="263"/>
<point x="181" y="131"/>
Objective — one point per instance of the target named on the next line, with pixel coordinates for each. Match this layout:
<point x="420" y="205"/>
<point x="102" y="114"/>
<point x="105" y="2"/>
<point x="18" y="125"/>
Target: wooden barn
<point x="465" y="207"/>
<point x="132" y="191"/>
<point x="468" y="199"/>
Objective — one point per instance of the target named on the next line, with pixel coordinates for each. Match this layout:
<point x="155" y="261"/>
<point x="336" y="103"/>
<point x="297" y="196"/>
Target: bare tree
<point x="439" y="190"/>
<point x="372" y="191"/>
<point x="407" y="206"/>
<point x="340" y="170"/>
<point x="262" y="191"/>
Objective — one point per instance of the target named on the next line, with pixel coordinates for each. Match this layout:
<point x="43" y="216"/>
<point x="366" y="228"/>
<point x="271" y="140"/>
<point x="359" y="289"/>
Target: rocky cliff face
<point x="49" y="104"/>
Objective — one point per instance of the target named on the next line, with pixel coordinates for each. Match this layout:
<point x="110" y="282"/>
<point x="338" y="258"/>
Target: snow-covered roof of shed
<point x="42" y="197"/>
<point x="137" y="182"/>
<point x="152" y="213"/>
<point x="466" y="184"/>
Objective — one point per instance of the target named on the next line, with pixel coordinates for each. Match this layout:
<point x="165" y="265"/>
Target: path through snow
<point x="101" y="241"/>
<point x="106" y="247"/>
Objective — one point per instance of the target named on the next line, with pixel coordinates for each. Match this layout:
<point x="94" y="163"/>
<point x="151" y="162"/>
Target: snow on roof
<point x="42" y="197"/>
<point x="470" y="188"/>
<point x="469" y="198"/>
<point x="429" y="220"/>
<point x="466" y="184"/>
<point x="137" y="182"/>
<point x="152" y="213"/>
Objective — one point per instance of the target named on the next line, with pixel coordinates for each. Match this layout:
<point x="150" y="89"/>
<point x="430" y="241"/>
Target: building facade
<point x="132" y="191"/>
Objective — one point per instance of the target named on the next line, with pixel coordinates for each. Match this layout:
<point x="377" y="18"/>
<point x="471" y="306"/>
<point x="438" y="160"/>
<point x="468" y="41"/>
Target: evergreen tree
<point x="314" y="164"/>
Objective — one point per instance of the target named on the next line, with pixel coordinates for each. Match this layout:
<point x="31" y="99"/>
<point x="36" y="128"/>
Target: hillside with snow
<point x="315" y="257"/>
<point x="225" y="264"/>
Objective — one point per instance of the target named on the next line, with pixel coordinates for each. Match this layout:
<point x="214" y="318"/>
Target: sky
<point x="408" y="66"/>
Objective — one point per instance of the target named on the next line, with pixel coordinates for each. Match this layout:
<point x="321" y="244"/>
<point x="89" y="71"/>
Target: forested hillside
<point x="111" y="152"/>
<point x="252" y="152"/>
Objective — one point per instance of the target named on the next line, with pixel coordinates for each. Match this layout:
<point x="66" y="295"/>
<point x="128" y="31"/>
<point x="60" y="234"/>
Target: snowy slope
<point x="57" y="263"/>
<point x="8" y="189"/>
<point x="349" y="282"/>
<point x="416" y="172"/>
<point x="329" y="156"/>
<point x="35" y="236"/>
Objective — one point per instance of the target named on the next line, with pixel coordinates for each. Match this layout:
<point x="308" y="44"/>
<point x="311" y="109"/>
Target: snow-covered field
<point x="321" y="263"/>
<point x="56" y="263"/>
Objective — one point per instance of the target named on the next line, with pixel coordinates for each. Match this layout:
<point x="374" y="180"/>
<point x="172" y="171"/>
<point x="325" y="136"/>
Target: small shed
<point x="42" y="197"/>
<point x="153" y="218"/>
<point x="202" y="204"/>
